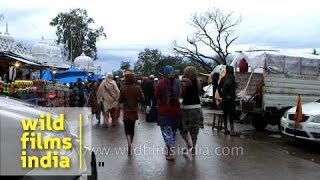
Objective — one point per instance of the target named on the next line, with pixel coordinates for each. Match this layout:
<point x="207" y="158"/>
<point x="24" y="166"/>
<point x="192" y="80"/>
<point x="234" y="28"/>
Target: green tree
<point x="73" y="30"/>
<point x="125" y="65"/>
<point x="214" y="31"/>
<point x="174" y="61"/>
<point x="152" y="62"/>
<point x="118" y="73"/>
<point x="146" y="63"/>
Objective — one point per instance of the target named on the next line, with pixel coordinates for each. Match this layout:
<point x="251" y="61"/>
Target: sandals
<point x="170" y="157"/>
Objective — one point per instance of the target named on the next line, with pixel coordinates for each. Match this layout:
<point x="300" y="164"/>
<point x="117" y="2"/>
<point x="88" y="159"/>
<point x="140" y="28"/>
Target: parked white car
<point x="309" y="128"/>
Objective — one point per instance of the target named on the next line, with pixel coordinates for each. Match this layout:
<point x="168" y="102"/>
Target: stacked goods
<point x="40" y="84"/>
<point x="52" y="95"/>
<point x="44" y="93"/>
<point x="17" y="88"/>
<point x="5" y="88"/>
<point x="1" y="86"/>
<point x="23" y="89"/>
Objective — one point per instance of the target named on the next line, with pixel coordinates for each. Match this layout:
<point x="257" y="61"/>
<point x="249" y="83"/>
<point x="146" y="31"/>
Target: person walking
<point x="108" y="96"/>
<point x="215" y="81"/>
<point x="167" y="93"/>
<point x="74" y="95"/>
<point x="130" y="96"/>
<point x="191" y="113"/>
<point x="149" y="91"/>
<point x="227" y="91"/>
<point x="93" y="101"/>
<point x="81" y="88"/>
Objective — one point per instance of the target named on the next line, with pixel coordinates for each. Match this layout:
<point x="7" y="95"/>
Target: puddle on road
<point x="278" y="136"/>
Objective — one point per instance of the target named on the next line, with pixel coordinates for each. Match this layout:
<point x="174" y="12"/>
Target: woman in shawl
<point x="108" y="96"/>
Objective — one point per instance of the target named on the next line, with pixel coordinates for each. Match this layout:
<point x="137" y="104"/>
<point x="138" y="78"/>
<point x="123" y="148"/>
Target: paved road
<point x="249" y="156"/>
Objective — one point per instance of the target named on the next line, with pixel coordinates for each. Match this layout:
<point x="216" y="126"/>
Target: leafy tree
<point x="125" y="65"/>
<point x="74" y="32"/>
<point x="118" y="73"/>
<point x="214" y="31"/>
<point x="175" y="61"/>
<point x="152" y="62"/>
<point x="147" y="60"/>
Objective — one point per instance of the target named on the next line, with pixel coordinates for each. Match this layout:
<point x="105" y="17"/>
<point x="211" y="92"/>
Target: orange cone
<point x="298" y="114"/>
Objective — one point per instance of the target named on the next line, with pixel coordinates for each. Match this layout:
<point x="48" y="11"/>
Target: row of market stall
<point x="49" y="89"/>
<point x="40" y="76"/>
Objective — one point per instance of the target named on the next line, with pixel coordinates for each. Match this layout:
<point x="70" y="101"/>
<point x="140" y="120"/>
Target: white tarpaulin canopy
<point x="280" y="61"/>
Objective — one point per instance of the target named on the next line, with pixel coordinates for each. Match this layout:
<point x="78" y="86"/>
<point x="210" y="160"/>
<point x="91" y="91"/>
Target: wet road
<point x="219" y="156"/>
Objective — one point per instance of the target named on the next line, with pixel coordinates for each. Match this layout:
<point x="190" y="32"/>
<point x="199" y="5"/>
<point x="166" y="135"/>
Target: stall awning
<point x="13" y="56"/>
<point x="23" y="60"/>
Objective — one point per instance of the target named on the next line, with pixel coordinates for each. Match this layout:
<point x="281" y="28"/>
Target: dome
<point x="39" y="48"/>
<point x="83" y="62"/>
<point x="7" y="43"/>
<point x="43" y="48"/>
<point x="6" y="37"/>
<point x="46" y="53"/>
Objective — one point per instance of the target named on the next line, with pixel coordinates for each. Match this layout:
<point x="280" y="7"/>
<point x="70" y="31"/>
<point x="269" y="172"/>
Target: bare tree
<point x="214" y="30"/>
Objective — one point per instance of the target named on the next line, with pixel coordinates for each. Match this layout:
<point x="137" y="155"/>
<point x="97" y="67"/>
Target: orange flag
<point x="298" y="114"/>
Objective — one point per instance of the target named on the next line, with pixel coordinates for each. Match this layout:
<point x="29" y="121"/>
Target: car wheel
<point x="279" y="126"/>
<point x="94" y="173"/>
<point x="259" y="123"/>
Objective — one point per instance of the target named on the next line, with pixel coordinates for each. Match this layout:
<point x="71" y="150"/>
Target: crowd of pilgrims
<point x="176" y="102"/>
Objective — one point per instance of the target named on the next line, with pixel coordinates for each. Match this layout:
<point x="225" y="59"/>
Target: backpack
<point x="243" y="66"/>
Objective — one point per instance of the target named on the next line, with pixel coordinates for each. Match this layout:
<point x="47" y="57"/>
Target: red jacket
<point x="167" y="93"/>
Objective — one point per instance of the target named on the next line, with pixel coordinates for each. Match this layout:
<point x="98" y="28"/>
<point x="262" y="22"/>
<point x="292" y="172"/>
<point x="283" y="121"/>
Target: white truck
<point x="283" y="76"/>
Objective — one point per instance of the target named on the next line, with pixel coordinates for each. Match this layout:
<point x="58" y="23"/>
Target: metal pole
<point x="71" y="46"/>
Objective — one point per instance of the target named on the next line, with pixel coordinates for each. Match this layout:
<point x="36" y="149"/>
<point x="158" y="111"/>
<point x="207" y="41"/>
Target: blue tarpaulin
<point x="72" y="71"/>
<point x="71" y="75"/>
<point x="47" y="75"/>
<point x="94" y="77"/>
<point x="71" y="79"/>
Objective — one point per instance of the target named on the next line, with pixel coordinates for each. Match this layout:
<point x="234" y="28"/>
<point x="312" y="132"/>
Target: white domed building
<point x="48" y="54"/>
<point x="8" y="44"/>
<point x="85" y="63"/>
<point x="6" y="38"/>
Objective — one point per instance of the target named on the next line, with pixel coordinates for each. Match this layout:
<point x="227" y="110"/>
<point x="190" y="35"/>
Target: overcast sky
<point x="132" y="25"/>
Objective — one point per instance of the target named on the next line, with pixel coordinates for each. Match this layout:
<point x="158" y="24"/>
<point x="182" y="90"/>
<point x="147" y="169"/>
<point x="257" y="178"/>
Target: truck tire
<point x="237" y="114"/>
<point x="258" y="122"/>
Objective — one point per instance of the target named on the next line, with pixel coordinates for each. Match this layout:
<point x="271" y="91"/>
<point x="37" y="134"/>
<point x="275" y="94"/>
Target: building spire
<point x="83" y="50"/>
<point x="7" y="29"/>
